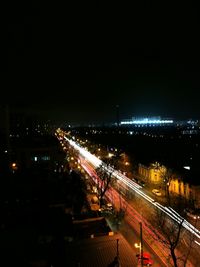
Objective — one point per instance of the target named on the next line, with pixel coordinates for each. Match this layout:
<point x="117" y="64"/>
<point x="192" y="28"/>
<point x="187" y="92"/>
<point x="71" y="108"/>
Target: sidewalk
<point x="133" y="236"/>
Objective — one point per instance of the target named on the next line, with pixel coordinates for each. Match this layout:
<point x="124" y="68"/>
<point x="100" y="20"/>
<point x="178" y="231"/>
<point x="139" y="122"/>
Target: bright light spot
<point x="187" y="167"/>
<point x="147" y="121"/>
<point x="137" y="245"/>
<point x="111" y="233"/>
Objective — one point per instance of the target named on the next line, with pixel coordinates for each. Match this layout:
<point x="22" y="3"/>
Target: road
<point x="89" y="162"/>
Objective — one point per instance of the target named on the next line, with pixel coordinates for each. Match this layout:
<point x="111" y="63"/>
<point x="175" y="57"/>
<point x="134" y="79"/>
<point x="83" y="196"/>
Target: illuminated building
<point x="154" y="175"/>
<point x="148" y="121"/>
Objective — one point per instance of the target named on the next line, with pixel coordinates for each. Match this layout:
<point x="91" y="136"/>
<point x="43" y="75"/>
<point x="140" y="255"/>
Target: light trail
<point x="96" y="162"/>
<point x="132" y="216"/>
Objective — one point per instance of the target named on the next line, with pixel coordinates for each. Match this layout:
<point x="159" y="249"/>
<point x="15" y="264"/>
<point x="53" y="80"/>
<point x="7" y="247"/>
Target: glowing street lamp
<point x="137" y="245"/>
<point x="140" y="246"/>
<point x="14" y="166"/>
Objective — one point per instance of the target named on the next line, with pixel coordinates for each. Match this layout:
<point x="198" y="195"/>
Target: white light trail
<point x="96" y="162"/>
<point x="197" y="242"/>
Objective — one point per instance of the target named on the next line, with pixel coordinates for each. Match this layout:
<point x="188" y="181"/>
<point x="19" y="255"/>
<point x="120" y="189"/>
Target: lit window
<point x="45" y="158"/>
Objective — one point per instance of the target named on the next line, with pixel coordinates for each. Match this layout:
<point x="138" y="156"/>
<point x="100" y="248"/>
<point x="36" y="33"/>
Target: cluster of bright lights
<point x="147" y="121"/>
<point x="96" y="162"/>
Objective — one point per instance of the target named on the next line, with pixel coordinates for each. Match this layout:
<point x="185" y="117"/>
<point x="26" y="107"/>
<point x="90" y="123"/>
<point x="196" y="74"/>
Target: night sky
<point x="76" y="62"/>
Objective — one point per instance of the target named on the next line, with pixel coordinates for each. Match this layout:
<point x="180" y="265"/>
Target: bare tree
<point x="170" y="234"/>
<point x="188" y="241"/>
<point x="167" y="176"/>
<point x="105" y="174"/>
<point x="104" y="181"/>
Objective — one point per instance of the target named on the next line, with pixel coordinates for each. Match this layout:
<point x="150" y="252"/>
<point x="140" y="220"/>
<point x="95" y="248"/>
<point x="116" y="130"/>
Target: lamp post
<point x="140" y="246"/>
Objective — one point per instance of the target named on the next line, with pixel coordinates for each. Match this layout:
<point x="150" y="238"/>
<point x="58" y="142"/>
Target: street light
<point x="137" y="245"/>
<point x="14" y="166"/>
<point x="140" y="246"/>
<point x="139" y="255"/>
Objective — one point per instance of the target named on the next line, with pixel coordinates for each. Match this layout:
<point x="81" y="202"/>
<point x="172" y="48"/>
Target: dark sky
<point x="76" y="62"/>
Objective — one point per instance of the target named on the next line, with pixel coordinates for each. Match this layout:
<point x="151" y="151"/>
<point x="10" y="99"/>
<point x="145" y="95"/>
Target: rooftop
<point x="100" y="251"/>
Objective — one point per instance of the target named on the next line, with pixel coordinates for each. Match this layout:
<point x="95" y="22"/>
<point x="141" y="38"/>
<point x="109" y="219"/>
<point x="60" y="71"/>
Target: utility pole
<point x="117" y="248"/>
<point x="117" y="263"/>
<point x="141" y="245"/>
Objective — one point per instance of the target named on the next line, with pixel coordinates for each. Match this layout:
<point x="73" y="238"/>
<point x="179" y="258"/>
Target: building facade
<point x="155" y="174"/>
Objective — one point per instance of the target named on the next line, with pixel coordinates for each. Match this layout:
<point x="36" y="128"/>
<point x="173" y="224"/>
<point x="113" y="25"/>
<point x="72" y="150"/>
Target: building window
<point x="45" y="158"/>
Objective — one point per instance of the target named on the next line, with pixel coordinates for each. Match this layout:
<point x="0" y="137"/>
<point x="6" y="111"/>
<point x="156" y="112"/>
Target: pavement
<point x="132" y="236"/>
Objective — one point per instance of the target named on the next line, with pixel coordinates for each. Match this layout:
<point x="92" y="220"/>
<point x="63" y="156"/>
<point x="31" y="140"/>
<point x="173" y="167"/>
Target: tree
<point x="104" y="181"/>
<point x="105" y="173"/>
<point x="166" y="176"/>
<point x="169" y="234"/>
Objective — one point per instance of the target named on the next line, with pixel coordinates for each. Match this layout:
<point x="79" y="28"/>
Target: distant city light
<point x="147" y="121"/>
<point x="187" y="167"/>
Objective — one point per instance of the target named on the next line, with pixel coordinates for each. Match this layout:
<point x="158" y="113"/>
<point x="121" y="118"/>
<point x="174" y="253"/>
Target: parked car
<point x="195" y="215"/>
<point x="108" y="207"/>
<point x="147" y="261"/>
<point x="156" y="192"/>
<point x="142" y="183"/>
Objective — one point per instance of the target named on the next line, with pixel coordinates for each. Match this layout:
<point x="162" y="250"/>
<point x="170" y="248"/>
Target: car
<point x="147" y="261"/>
<point x="142" y="183"/>
<point x="107" y="208"/>
<point x="195" y="215"/>
<point x="109" y="205"/>
<point x="156" y="192"/>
